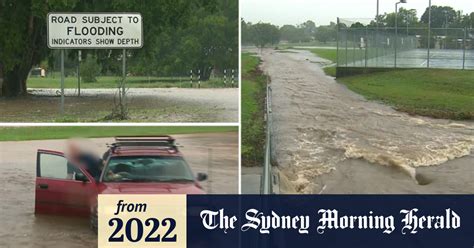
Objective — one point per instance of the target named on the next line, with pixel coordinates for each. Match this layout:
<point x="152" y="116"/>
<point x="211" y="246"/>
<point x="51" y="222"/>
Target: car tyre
<point x="94" y="220"/>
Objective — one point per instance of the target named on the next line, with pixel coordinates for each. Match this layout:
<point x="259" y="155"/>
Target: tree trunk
<point x="14" y="80"/>
<point x="1" y="79"/>
<point x="14" y="83"/>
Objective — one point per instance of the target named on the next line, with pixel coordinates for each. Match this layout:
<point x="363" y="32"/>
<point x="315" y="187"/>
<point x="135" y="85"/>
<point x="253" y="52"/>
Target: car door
<point x="61" y="187"/>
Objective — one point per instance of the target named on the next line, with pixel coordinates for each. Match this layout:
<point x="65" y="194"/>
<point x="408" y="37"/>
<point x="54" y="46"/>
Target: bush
<point x="90" y="69"/>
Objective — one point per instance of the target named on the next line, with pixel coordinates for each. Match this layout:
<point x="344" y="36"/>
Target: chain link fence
<point x="405" y="47"/>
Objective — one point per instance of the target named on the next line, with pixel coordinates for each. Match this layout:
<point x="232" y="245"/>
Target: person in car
<point x="84" y="158"/>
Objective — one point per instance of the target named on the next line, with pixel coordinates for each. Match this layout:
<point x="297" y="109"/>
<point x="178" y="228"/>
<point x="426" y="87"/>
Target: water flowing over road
<point x="20" y="227"/>
<point x="329" y="139"/>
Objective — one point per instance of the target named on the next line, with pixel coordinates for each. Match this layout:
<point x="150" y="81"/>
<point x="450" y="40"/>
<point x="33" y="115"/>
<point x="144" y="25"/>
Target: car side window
<point x="57" y="167"/>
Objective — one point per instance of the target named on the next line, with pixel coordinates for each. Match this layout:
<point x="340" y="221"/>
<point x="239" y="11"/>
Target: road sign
<point x="95" y="30"/>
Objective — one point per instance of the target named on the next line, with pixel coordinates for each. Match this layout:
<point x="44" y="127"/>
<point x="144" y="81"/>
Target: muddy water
<point x="319" y="124"/>
<point x="19" y="227"/>
<point x="145" y="105"/>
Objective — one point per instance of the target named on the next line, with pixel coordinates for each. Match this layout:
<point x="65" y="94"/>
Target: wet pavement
<point x="19" y="227"/>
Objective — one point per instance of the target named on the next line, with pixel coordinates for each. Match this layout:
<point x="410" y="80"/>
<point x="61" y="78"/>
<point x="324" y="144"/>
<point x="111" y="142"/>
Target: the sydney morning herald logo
<point x="410" y="221"/>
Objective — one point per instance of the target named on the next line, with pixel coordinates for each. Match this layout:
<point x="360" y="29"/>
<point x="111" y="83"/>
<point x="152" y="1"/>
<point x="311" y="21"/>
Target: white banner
<point x="95" y="30"/>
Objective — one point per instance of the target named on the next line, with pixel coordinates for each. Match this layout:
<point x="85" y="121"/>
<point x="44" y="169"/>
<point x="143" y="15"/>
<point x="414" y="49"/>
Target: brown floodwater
<point x="145" y="105"/>
<point x="21" y="228"/>
<point x="320" y="125"/>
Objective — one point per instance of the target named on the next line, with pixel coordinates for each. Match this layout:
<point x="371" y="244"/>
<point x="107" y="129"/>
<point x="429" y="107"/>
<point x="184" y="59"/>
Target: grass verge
<point x="436" y="93"/>
<point x="43" y="133"/>
<point x="329" y="54"/>
<point x="253" y="98"/>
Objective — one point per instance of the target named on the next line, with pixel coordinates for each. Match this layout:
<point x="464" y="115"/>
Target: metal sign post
<point x="124" y="73"/>
<point x="61" y="108"/>
<point x="79" y="54"/>
<point x="94" y="31"/>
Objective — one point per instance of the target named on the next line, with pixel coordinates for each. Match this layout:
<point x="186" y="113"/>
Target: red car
<point x="132" y="165"/>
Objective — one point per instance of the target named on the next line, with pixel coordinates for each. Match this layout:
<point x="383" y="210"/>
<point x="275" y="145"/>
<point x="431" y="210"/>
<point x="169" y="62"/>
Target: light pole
<point x="429" y="35"/>
<point x="396" y="28"/>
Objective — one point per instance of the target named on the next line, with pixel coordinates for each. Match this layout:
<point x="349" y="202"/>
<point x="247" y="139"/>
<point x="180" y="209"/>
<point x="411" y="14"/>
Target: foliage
<point x="253" y="100"/>
<point x="179" y="35"/>
<point x="265" y="34"/>
<point x="90" y="69"/>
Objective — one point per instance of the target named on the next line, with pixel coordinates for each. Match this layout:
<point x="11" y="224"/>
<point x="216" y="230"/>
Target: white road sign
<point x="95" y="30"/>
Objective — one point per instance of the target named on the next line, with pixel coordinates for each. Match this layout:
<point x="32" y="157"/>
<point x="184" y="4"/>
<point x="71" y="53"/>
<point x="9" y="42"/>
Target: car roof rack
<point x="163" y="141"/>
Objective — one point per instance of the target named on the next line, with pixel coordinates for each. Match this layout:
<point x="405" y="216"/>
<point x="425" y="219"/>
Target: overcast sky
<point x="322" y="12"/>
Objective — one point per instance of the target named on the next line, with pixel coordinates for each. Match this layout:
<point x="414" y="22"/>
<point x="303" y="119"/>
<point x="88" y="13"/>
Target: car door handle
<point x="43" y="186"/>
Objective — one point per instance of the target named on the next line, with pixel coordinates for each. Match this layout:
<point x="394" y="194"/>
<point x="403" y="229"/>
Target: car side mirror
<point x="201" y="177"/>
<point x="81" y="177"/>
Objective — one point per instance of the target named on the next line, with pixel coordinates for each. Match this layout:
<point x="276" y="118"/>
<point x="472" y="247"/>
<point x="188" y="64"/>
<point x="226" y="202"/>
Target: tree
<point x="439" y="15"/>
<point x="327" y="33"/>
<point x="179" y="35"/>
<point x="90" y="69"/>
<point x="291" y="34"/>
<point x="265" y="34"/>
<point x="23" y="39"/>
<point x="309" y="30"/>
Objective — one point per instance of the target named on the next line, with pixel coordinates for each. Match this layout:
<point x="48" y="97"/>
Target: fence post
<point x="225" y="78"/>
<point x="347" y="53"/>
<point x="199" y="79"/>
<point x="233" y="73"/>
<point x="191" y="78"/>
<point x="337" y="44"/>
<point x="464" y="49"/>
<point x="353" y="49"/>
<point x="366" y="45"/>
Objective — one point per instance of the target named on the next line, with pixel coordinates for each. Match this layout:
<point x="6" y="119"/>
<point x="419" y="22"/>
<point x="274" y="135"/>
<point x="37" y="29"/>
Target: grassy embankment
<point x="42" y="133"/>
<point x="132" y="82"/>
<point x="437" y="93"/>
<point x="253" y="99"/>
<point x="329" y="54"/>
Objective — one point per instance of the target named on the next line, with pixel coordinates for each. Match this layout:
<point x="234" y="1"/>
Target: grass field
<point x="42" y="133"/>
<point x="253" y="97"/>
<point x="329" y="54"/>
<point x="132" y="82"/>
<point x="436" y="92"/>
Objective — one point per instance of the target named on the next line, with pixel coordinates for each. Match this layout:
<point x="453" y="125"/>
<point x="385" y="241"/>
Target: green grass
<point x="436" y="92"/>
<point x="329" y="54"/>
<point x="132" y="82"/>
<point x="43" y="133"/>
<point x="253" y="124"/>
<point x="330" y="70"/>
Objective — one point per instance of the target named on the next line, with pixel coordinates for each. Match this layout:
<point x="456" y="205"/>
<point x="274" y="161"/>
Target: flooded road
<point x="329" y="139"/>
<point x="145" y="105"/>
<point x="21" y="228"/>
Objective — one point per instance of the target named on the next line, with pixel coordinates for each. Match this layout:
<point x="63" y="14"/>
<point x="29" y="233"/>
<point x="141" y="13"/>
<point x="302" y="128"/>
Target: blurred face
<point x="73" y="148"/>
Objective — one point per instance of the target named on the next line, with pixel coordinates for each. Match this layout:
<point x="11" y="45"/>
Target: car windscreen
<point x="147" y="169"/>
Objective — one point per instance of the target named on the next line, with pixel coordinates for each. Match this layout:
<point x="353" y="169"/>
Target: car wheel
<point x="94" y="220"/>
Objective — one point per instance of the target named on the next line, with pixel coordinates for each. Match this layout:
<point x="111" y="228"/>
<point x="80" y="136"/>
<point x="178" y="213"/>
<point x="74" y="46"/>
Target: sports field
<point x="414" y="58"/>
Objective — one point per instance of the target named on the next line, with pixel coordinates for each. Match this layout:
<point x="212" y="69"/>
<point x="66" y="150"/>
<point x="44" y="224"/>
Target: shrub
<point x="90" y="69"/>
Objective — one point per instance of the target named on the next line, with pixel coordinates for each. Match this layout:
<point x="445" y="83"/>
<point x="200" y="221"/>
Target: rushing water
<point x="20" y="227"/>
<point x="318" y="123"/>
